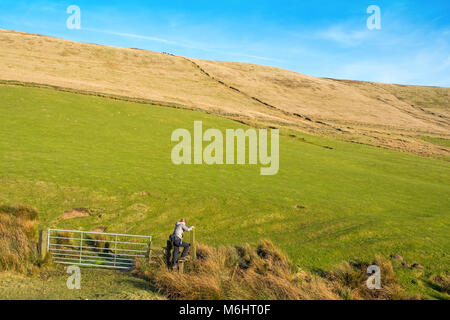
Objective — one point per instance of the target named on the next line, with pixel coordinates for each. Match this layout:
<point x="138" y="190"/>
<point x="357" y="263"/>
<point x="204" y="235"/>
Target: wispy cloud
<point x="446" y="63"/>
<point x="197" y="46"/>
<point x="133" y="36"/>
<point x="420" y="68"/>
<point x="338" y="34"/>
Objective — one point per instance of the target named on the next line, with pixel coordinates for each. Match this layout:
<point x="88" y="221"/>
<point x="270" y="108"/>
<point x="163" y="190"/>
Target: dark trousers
<point x="177" y="243"/>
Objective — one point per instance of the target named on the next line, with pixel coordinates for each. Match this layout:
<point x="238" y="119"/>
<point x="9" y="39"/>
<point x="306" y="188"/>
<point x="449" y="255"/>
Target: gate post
<point x="149" y="251"/>
<point x="181" y="267"/>
<point x="43" y="244"/>
<point x="168" y="252"/>
<point x="193" y="245"/>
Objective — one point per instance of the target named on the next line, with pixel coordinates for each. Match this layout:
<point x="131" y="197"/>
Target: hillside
<point x="331" y="201"/>
<point x="407" y="118"/>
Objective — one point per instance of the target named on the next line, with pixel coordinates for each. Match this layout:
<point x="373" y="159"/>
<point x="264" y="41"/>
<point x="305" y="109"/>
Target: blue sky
<point x="325" y="38"/>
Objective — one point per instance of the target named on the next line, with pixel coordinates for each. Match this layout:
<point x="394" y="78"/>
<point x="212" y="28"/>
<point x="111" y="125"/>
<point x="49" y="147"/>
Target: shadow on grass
<point x="138" y="282"/>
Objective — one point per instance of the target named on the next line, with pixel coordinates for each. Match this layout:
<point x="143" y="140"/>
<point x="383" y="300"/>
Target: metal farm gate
<point x="97" y="249"/>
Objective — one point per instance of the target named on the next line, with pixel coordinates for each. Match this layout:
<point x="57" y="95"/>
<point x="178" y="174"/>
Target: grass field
<point x="113" y="285"/>
<point x="61" y="151"/>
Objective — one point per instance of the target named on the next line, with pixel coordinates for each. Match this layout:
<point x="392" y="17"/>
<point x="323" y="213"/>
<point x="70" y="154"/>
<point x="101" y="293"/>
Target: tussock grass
<point x="349" y="280"/>
<point x="442" y="282"/>
<point x="264" y="273"/>
<point x="18" y="247"/>
<point x="65" y="238"/>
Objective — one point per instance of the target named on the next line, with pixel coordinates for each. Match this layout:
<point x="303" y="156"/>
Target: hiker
<point x="177" y="239"/>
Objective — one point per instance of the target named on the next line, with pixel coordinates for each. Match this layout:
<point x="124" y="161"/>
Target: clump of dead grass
<point x="240" y="272"/>
<point x="18" y="246"/>
<point x="263" y="273"/>
<point x="349" y="280"/>
<point x="442" y="282"/>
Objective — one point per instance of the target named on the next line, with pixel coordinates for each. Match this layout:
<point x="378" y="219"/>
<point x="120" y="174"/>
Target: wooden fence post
<point x="193" y="245"/>
<point x="181" y="267"/>
<point x="168" y="252"/>
<point x="43" y="244"/>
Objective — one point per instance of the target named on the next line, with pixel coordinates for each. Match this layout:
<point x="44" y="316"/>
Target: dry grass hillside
<point x="408" y="118"/>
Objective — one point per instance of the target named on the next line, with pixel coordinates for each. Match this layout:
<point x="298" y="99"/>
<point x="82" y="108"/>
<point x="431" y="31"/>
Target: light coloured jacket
<point x="180" y="228"/>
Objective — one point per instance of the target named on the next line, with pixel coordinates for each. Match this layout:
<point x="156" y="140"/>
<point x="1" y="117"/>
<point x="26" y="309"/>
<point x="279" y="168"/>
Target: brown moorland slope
<point x="408" y="118"/>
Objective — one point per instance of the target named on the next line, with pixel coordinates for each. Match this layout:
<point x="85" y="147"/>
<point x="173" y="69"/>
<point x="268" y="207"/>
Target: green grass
<point x="62" y="150"/>
<point x="439" y="141"/>
<point x="97" y="284"/>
